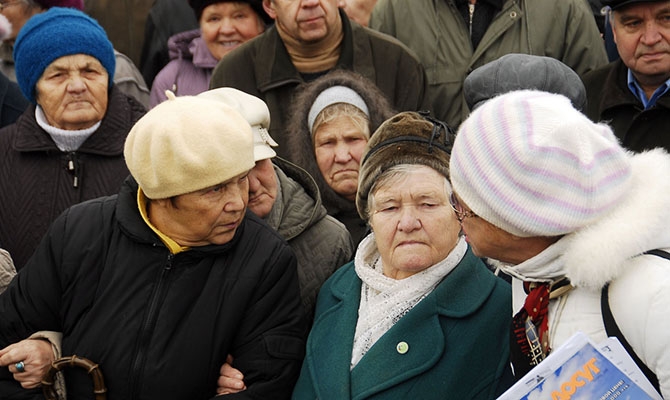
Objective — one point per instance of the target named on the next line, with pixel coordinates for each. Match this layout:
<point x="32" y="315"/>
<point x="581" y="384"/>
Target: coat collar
<point x="107" y="140"/>
<point x="618" y="94"/>
<point x="459" y="295"/>
<point x="278" y="70"/>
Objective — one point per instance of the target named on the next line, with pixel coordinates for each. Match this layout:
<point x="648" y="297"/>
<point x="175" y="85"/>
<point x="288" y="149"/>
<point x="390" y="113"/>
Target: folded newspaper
<point x="583" y="370"/>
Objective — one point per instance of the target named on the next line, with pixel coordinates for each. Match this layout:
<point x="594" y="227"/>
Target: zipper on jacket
<point x="148" y="325"/>
<point x="73" y="167"/>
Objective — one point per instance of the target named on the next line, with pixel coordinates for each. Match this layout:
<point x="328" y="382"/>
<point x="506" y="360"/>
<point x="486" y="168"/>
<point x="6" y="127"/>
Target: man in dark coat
<point x="308" y="40"/>
<point x="631" y="94"/>
<point x="159" y="283"/>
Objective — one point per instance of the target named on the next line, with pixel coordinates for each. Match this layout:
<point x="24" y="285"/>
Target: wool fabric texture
<point x="402" y="139"/>
<point x="257" y="5"/>
<point x="78" y="4"/>
<point x="56" y="33"/>
<point x="529" y="163"/>
<point x="523" y="71"/>
<point x="252" y="109"/>
<point x="186" y="144"/>
<point x="334" y="95"/>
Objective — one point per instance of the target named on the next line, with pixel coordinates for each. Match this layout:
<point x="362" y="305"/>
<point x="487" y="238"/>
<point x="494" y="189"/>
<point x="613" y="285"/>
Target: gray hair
<point x="393" y="175"/>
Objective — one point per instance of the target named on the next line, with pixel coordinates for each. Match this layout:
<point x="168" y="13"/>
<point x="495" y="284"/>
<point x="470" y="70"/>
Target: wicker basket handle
<point x="99" y="389"/>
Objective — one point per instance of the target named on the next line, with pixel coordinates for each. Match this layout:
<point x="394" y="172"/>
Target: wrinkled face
<point x="207" y="216"/>
<point x="262" y="188"/>
<point x="338" y="148"/>
<point x="413" y="222"/>
<point x="72" y="92"/>
<point x="306" y="21"/>
<point x="227" y="25"/>
<point x="642" y="36"/>
<point x="17" y="13"/>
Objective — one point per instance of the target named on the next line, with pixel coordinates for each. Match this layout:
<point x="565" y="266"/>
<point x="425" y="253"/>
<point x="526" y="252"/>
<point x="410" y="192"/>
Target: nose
<point x="651" y="34"/>
<point x="409" y="219"/>
<point x="227" y="26"/>
<point x="342" y="153"/>
<point x="310" y="3"/>
<point x="76" y="83"/>
<point x="235" y="201"/>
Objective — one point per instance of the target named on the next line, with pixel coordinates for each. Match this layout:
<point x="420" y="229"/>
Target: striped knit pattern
<point x="532" y="165"/>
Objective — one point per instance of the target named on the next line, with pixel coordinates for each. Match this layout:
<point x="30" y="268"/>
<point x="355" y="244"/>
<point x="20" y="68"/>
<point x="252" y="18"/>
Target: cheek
<point x="324" y="159"/>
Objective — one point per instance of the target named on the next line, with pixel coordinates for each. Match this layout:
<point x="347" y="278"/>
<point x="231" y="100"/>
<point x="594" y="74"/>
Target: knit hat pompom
<point x="78" y="4"/>
<point x="406" y="138"/>
<point x="56" y="33"/>
<point x="532" y="165"/>
<point x="186" y="144"/>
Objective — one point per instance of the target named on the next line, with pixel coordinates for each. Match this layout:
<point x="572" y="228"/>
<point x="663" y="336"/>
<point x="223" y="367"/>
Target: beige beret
<point x="186" y="144"/>
<point x="255" y="111"/>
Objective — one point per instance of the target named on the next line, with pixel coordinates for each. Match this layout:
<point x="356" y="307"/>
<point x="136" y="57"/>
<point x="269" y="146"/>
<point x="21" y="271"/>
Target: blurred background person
<point x="67" y="146"/>
<point x="632" y="94"/>
<point x="453" y="37"/>
<point x="309" y="39"/>
<point x="166" y="18"/>
<point x="331" y="121"/>
<point x="224" y="25"/>
<point x="12" y="101"/>
<point x="126" y="75"/>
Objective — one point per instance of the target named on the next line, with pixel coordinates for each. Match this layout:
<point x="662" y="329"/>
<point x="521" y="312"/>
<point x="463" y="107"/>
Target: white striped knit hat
<point x="532" y="165"/>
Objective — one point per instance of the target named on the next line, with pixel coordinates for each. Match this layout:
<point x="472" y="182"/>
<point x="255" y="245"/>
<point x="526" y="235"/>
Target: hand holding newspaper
<point x="582" y="370"/>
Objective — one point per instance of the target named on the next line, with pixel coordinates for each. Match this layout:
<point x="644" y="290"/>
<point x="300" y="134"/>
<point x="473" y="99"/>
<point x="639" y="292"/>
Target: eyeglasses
<point x="5" y="4"/>
<point x="461" y="212"/>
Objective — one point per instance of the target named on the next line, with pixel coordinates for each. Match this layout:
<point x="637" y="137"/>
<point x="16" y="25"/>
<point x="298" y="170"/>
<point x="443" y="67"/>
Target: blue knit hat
<point x="56" y="33"/>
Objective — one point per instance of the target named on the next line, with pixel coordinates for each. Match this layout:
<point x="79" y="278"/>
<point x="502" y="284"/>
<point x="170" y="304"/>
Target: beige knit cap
<point x="186" y="144"/>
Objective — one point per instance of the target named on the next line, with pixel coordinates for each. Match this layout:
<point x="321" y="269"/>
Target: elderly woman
<point x="160" y="282"/>
<point x="331" y="124"/>
<point x="224" y="25"/>
<point x="67" y="146"/>
<point x="416" y="314"/>
<point x="126" y="76"/>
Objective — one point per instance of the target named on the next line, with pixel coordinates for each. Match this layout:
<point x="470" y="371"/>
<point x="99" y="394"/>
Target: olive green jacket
<point x="436" y="32"/>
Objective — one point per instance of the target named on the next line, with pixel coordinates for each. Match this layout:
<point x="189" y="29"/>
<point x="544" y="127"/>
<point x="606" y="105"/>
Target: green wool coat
<point x="456" y="341"/>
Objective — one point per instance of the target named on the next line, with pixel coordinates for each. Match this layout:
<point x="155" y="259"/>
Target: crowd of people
<point x="329" y="199"/>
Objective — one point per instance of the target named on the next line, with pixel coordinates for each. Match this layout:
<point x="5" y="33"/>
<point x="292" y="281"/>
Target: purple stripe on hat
<point x="496" y="157"/>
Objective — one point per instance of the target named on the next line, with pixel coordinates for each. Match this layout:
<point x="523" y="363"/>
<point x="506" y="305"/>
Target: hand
<point x="37" y="356"/>
<point x="231" y="380"/>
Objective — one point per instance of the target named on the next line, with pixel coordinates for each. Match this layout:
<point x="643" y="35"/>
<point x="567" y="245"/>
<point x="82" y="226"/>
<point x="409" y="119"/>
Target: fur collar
<point x="599" y="253"/>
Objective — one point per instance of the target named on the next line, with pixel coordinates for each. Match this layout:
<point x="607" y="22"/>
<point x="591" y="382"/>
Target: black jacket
<point x="37" y="180"/>
<point x="160" y="325"/>
<point x="12" y="101"/>
<point x="610" y="101"/>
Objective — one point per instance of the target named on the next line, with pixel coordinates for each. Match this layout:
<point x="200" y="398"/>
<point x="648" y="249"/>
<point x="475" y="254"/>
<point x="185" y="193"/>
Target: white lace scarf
<point x="385" y="300"/>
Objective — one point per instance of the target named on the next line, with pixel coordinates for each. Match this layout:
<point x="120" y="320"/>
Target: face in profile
<point x="263" y="188"/>
<point x="226" y="25"/>
<point x="73" y="92"/>
<point x="412" y="220"/>
<point x="338" y="148"/>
